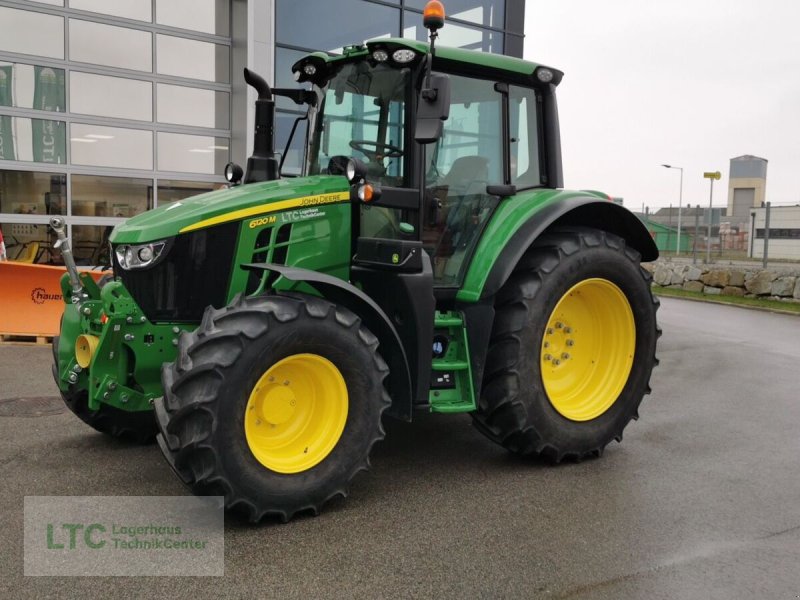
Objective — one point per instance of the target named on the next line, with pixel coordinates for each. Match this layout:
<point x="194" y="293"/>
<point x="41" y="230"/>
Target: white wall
<point x="780" y="217"/>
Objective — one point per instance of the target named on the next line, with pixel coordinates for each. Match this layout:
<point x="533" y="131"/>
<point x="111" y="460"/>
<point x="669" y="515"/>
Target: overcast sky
<point x="692" y="83"/>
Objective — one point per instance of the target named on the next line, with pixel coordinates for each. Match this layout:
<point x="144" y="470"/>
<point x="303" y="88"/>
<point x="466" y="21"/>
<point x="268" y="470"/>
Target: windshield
<point x="361" y="115"/>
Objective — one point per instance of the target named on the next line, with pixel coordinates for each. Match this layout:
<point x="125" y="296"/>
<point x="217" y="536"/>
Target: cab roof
<point x="470" y="62"/>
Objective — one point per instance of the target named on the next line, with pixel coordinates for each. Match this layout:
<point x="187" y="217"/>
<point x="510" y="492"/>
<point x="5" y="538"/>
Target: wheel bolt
<point x="271" y="379"/>
<point x="549" y="331"/>
<point x="286" y="382"/>
<point x="547" y="357"/>
<point x="556" y="362"/>
<point x="565" y="355"/>
<point x="570" y="343"/>
<point x="567" y="329"/>
<point x="547" y="344"/>
<point x="559" y="325"/>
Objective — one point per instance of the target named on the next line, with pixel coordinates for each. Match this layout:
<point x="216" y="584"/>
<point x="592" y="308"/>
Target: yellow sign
<point x="715" y="175"/>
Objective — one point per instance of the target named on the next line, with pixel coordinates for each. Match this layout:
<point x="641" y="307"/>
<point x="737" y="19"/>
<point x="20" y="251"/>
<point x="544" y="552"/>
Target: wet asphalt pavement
<point x="701" y="500"/>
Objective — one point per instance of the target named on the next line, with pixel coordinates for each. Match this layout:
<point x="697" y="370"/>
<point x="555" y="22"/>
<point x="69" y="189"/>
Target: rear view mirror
<point x="433" y="109"/>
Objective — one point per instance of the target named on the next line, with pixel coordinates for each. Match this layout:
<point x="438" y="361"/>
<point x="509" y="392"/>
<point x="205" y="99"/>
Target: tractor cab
<point x="436" y="142"/>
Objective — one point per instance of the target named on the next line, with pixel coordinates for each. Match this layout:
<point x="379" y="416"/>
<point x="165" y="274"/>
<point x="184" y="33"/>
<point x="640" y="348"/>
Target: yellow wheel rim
<point x="587" y="349"/>
<point x="296" y="413"/>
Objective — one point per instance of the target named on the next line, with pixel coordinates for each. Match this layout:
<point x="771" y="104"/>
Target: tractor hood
<point x="237" y="203"/>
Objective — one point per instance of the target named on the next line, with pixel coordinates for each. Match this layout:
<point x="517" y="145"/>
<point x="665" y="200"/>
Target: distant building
<point x="784" y="232"/>
<point x="747" y="185"/>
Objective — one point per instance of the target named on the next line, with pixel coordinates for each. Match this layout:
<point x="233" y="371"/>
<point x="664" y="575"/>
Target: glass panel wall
<point x="90" y="244"/>
<point x="330" y="25"/>
<point x="100" y="146"/>
<point x="120" y="98"/>
<point x="182" y="57"/>
<point x="117" y="197"/>
<point x="33" y="140"/>
<point x="459" y="36"/>
<point x="28" y="32"/>
<point x="28" y="242"/>
<point x="110" y="45"/>
<point x="192" y="153"/>
<point x="130" y="9"/>
<point x="489" y="13"/>
<point x="208" y="16"/>
<point x="32" y="86"/>
<point x="192" y="106"/>
<point x="127" y="98"/>
<point x="32" y="193"/>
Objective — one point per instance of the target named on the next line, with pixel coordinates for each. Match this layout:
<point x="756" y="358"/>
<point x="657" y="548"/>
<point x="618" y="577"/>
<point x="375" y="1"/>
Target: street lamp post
<point x="680" y="203"/>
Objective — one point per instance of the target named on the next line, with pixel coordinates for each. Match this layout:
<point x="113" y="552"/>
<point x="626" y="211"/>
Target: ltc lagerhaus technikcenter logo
<point x="61" y="536"/>
<point x="124" y="535"/>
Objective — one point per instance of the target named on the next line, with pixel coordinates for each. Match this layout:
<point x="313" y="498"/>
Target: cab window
<point x="459" y="166"/>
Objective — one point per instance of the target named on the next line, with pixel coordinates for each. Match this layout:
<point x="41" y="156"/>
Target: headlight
<point x="380" y="55"/>
<point x="355" y="171"/>
<point x="233" y="173"/>
<point x="403" y="55"/>
<point x="139" y="256"/>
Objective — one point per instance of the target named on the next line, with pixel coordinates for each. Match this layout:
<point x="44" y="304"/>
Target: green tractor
<point x="426" y="259"/>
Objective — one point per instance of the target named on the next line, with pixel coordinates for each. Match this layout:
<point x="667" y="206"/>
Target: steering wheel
<point x="381" y="150"/>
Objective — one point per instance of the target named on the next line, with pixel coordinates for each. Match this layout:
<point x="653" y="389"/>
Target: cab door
<point x="458" y="167"/>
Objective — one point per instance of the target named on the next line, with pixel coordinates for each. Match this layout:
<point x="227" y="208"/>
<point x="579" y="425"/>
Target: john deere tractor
<point x="425" y="259"/>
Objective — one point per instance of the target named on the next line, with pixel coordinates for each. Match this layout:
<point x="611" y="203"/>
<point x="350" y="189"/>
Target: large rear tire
<point x="274" y="402"/>
<point x="572" y="347"/>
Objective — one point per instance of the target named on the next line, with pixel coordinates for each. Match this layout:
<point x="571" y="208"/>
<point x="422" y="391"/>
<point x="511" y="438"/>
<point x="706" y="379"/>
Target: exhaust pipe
<point x="262" y="165"/>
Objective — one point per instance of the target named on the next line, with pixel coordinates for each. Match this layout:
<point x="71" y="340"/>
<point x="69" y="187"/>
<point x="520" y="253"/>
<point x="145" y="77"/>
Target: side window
<point x="525" y="164"/>
<point x="467" y="157"/>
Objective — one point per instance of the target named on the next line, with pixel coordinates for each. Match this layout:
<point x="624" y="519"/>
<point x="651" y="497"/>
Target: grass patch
<point x="765" y="303"/>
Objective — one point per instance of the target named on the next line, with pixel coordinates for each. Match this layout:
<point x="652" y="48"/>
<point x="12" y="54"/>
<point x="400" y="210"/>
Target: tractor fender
<point x="374" y="318"/>
<point x="583" y="211"/>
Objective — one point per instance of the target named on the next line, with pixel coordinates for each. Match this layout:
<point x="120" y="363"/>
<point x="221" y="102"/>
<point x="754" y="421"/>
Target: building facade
<point x="783" y="238"/>
<point x="747" y="186"/>
<point x="108" y="108"/>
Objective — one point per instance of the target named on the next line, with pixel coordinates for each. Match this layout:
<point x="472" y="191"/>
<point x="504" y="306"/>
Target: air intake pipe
<point x="262" y="165"/>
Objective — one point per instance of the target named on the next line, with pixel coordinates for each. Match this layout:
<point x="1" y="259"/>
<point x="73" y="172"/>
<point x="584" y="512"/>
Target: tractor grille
<point x="194" y="274"/>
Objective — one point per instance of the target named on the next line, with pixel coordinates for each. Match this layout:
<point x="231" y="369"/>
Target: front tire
<point x="572" y="347"/>
<point x="274" y="402"/>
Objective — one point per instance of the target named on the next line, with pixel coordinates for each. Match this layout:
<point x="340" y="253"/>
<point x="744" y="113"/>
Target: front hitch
<point x="59" y="227"/>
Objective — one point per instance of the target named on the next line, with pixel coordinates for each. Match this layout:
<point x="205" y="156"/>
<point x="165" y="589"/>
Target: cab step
<point x="451" y="382"/>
